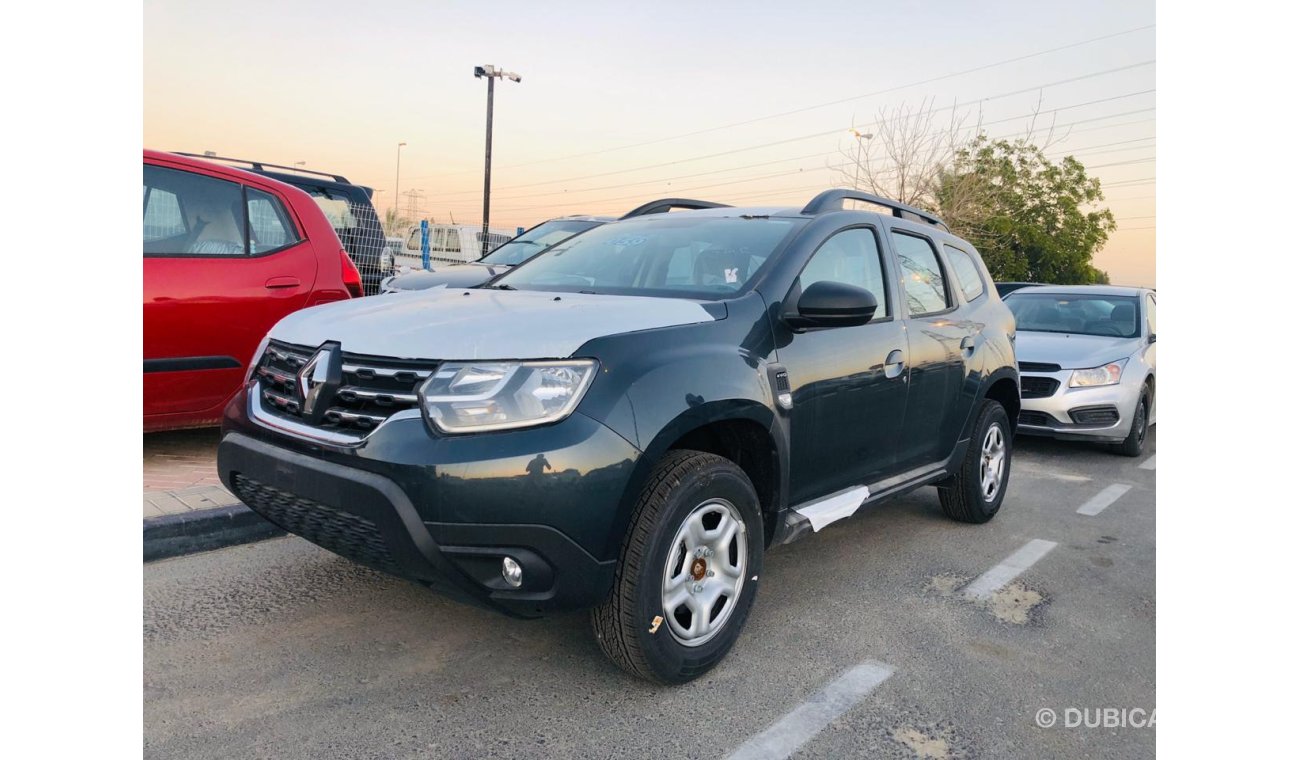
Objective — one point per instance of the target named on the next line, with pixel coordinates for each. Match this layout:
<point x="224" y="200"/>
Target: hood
<point x="453" y="276"/>
<point x="453" y="324"/>
<point x="1071" y="350"/>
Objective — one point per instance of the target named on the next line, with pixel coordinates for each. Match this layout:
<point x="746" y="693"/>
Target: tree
<point x="394" y="223"/>
<point x="906" y="155"/>
<point x="1027" y="214"/>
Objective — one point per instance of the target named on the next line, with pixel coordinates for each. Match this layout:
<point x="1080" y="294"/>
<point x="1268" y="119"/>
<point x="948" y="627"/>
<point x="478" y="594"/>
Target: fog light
<point x="512" y="572"/>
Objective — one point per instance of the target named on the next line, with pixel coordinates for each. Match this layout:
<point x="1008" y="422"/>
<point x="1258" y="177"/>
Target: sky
<point x="737" y="102"/>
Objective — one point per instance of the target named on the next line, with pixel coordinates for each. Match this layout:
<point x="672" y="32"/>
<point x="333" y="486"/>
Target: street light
<point x="492" y="73"/>
<point x="397" y="183"/>
<point x="857" y="167"/>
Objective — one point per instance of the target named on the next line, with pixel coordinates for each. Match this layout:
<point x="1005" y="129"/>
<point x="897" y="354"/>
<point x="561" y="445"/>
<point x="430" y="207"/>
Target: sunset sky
<point x="743" y="103"/>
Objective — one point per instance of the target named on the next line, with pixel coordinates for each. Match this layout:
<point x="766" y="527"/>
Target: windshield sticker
<point x="733" y="274"/>
<point x="628" y="241"/>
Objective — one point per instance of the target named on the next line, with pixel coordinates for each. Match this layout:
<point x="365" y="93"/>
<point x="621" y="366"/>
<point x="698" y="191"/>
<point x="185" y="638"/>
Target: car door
<point x="940" y="343"/>
<point x="222" y="263"/>
<point x="848" y="384"/>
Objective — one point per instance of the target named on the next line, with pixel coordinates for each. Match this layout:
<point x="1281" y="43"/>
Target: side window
<point x="413" y="242"/>
<point x="924" y="288"/>
<point x="1151" y="314"/>
<point x="453" y="240"/>
<point x="269" y="227"/>
<point x="966" y="271"/>
<point x="187" y="214"/>
<point x="853" y="258"/>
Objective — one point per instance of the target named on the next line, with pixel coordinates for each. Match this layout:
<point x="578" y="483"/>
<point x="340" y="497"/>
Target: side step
<point x="815" y="515"/>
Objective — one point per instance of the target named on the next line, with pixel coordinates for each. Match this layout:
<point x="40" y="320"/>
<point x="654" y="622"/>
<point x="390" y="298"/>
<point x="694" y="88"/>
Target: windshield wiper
<point x="503" y="286"/>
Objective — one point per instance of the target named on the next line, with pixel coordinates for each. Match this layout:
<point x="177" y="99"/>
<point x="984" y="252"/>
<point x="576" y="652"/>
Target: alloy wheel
<point x="704" y="572"/>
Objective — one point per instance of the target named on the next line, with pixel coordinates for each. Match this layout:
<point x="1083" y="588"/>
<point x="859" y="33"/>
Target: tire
<point x="968" y="496"/>
<point x="1137" y="435"/>
<point x="708" y="490"/>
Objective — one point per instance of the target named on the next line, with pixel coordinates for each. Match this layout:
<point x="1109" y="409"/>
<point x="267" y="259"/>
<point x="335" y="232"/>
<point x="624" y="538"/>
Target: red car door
<point x="224" y="260"/>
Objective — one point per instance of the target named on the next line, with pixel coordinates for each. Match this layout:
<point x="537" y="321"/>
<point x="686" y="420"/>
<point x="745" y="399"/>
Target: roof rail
<point x="668" y="204"/>
<point x="833" y="200"/>
<point x="261" y="165"/>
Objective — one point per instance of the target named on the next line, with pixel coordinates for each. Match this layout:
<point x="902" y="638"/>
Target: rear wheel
<point x="1137" y="435"/>
<point x="688" y="571"/>
<point x="974" y="494"/>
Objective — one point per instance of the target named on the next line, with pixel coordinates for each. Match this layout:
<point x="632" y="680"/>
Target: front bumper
<point x="444" y="511"/>
<point x="1102" y="413"/>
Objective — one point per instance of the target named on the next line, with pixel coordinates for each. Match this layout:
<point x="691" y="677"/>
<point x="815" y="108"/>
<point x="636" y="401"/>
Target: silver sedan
<point x="1087" y="356"/>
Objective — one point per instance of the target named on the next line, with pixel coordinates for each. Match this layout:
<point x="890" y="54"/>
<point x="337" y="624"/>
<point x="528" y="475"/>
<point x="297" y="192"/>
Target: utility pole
<point x="397" y="183"/>
<point x="492" y="73"/>
<point x="857" y="167"/>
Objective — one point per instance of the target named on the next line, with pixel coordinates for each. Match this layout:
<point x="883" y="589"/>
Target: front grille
<point x="1095" y="415"/>
<point x="1039" y="367"/>
<point x="372" y="389"/>
<point x="1038" y="387"/>
<point x="353" y="537"/>
<point x="1040" y="419"/>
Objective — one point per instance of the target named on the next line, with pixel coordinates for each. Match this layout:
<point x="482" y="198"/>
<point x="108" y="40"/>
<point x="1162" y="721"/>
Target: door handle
<point x="276" y="283"/>
<point x="967" y="347"/>
<point x="894" y="364"/>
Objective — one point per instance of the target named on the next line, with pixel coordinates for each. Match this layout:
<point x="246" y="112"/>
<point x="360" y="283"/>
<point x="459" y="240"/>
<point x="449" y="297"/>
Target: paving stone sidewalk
<point x="180" y="473"/>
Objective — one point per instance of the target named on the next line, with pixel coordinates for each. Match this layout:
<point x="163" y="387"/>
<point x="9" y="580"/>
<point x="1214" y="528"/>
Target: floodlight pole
<point x="492" y="73"/>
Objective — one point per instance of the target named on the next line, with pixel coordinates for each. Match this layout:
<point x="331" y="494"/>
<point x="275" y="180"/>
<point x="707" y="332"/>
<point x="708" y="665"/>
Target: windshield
<point x="536" y="240"/>
<point x="1113" y="316"/>
<point x="670" y="255"/>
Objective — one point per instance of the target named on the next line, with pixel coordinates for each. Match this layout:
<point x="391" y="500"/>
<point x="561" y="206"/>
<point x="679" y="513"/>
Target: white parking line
<point x="804" y="722"/>
<point x="1005" y="571"/>
<point x="1104" y="499"/>
<point x="1149" y="464"/>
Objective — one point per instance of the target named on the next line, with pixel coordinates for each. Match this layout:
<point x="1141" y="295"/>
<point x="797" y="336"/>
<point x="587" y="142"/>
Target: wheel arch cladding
<point x="737" y="430"/>
<point x="1006" y="392"/>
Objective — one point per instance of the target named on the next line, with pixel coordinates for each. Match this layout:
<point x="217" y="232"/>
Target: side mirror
<point x="833" y="304"/>
<point x="1151" y="338"/>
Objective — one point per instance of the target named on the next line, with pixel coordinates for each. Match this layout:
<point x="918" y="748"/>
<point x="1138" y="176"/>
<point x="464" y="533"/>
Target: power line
<point x="765" y="176"/>
<point x="876" y="123"/>
<point x="827" y="104"/>
<point x="818" y="154"/>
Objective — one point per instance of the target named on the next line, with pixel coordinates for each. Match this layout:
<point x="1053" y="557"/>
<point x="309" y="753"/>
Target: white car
<point x="1087" y="356"/>
<point x="456" y="243"/>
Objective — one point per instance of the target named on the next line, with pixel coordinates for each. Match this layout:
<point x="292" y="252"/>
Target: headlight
<point x="469" y="397"/>
<point x="1104" y="375"/>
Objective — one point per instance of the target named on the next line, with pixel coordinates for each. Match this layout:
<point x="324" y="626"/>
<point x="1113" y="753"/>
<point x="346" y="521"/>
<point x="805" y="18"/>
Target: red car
<point x="227" y="253"/>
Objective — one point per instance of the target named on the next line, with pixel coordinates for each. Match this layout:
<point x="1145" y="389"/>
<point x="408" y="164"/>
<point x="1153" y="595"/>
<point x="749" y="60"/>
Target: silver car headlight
<point x="1107" y="374"/>
<point x="472" y="397"/>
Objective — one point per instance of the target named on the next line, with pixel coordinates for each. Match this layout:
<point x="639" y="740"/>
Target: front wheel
<point x="974" y="494"/>
<point x="1137" y="435"/>
<point x="688" y="571"/>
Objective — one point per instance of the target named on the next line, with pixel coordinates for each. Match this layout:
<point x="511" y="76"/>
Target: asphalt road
<point x="283" y="650"/>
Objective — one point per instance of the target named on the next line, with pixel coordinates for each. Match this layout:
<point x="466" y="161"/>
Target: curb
<point x="204" y="530"/>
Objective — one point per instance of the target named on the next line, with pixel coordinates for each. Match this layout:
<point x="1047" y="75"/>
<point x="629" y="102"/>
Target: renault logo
<point x="318" y="381"/>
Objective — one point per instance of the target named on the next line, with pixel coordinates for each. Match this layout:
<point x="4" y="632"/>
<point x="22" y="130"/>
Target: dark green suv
<point x="627" y="421"/>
